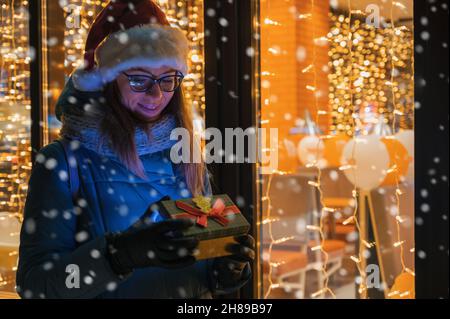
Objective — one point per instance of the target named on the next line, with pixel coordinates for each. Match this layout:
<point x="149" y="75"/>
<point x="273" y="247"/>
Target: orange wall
<point x="287" y="94"/>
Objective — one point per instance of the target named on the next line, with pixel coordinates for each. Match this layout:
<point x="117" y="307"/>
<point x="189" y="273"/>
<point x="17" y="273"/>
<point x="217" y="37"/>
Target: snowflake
<point x="30" y="226"/>
<point x="223" y="22"/>
<point x="111" y="286"/>
<point x="51" y="163"/>
<point x="210" y="12"/>
<point x="182" y="252"/>
<point x="63" y="176"/>
<point x="250" y="51"/>
<point x="47" y="266"/>
<point x="182" y="292"/>
<point x="425" y="208"/>
<point x="123" y="210"/>
<point x="95" y="253"/>
<point x="50" y="214"/>
<point x="88" y="280"/>
<point x="81" y="236"/>
<point x="123" y="38"/>
<point x="421" y="254"/>
<point x="151" y="254"/>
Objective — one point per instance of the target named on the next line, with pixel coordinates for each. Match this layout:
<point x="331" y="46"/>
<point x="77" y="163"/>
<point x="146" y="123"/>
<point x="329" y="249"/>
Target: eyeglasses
<point x="144" y="83"/>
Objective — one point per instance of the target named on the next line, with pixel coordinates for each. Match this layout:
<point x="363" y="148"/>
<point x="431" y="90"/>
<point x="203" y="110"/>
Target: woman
<point x="119" y="112"/>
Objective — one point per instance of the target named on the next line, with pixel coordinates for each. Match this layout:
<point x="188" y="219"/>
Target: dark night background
<point x="431" y="148"/>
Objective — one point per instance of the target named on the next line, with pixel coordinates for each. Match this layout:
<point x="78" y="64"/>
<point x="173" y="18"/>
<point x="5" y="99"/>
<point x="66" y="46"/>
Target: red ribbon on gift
<point x="217" y="212"/>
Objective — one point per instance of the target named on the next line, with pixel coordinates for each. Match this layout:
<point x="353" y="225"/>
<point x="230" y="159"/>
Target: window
<point x="337" y="207"/>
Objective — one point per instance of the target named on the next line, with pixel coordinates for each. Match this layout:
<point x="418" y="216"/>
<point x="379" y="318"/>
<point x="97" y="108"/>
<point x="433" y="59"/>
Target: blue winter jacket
<point x="57" y="235"/>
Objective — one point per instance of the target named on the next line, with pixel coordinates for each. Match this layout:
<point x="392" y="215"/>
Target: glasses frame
<point x="155" y="81"/>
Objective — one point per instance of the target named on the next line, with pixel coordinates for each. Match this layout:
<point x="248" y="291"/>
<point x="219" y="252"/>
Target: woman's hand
<point x="156" y="245"/>
<point x="228" y="269"/>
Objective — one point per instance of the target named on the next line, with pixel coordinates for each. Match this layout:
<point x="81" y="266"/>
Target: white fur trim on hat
<point x="142" y="46"/>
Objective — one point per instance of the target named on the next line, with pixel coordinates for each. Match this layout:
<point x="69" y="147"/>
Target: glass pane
<point x="15" y="153"/>
<point x="65" y="28"/>
<point x="337" y="211"/>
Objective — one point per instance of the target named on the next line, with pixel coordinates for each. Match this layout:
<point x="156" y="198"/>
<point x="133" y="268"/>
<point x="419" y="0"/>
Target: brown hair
<point x="119" y="125"/>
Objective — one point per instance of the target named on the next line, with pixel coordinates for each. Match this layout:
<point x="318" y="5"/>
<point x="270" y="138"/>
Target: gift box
<point x="217" y="221"/>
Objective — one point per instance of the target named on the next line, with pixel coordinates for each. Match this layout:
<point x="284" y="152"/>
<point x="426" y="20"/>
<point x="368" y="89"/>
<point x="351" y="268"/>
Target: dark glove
<point x="229" y="269"/>
<point x="156" y="245"/>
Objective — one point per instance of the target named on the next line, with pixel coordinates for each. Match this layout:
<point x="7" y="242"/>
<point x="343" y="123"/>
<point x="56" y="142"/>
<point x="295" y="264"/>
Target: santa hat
<point x="127" y="34"/>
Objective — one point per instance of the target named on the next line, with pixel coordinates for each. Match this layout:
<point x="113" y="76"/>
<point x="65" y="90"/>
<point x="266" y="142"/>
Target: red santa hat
<point x="127" y="34"/>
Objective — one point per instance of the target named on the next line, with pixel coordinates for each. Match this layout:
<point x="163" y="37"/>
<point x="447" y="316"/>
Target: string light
<point x="355" y="259"/>
<point x="317" y="184"/>
<point x="314" y="184"/>
<point x="367" y="244"/>
<point x="313" y="227"/>
<point x="271" y="22"/>
<point x="308" y="68"/>
<point x="270" y="220"/>
<point x="362" y="286"/>
<point x="348" y="220"/>
<point x="273" y="241"/>
<point x="304" y="16"/>
<point x="75" y="37"/>
<point x="15" y="157"/>
<point x="370" y="67"/>
<point x="188" y="16"/>
<point x="398" y="219"/>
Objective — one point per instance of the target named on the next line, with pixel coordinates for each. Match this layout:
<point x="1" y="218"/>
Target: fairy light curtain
<point x="15" y="150"/>
<point x="188" y="16"/>
<point x="14" y="105"/>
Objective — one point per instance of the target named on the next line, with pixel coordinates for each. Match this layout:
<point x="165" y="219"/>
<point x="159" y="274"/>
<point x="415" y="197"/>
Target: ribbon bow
<point x="217" y="212"/>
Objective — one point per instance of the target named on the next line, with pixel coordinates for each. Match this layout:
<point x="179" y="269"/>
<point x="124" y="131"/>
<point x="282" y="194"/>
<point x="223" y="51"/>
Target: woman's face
<point x="145" y="105"/>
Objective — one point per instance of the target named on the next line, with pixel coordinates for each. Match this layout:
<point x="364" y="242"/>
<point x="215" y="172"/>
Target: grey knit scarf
<point x="84" y="126"/>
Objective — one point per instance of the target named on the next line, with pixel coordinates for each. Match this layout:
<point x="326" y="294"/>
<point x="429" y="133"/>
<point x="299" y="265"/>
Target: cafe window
<point x="337" y="208"/>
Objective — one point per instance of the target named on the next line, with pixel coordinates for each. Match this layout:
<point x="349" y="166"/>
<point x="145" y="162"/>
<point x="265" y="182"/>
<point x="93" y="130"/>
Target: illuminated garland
<point x="324" y="211"/>
<point x="188" y="16"/>
<point x="15" y="153"/>
<point x="396" y="62"/>
<point x="15" y="156"/>
<point x="371" y="71"/>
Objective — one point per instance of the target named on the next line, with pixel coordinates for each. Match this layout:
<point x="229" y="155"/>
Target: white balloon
<point x="371" y="160"/>
<point x="310" y="150"/>
<point x="406" y="137"/>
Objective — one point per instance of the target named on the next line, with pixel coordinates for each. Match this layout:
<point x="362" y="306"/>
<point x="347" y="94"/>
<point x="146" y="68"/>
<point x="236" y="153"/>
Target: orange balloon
<point x="399" y="158"/>
<point x="333" y="149"/>
<point x="403" y="287"/>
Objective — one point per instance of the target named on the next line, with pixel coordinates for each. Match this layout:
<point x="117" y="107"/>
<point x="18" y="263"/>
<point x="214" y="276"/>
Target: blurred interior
<point x="304" y="93"/>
